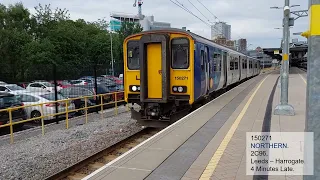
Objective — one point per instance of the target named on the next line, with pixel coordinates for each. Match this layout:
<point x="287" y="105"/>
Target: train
<point x="169" y="72"/>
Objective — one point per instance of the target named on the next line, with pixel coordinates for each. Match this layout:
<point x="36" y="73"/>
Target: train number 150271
<point x="181" y="78"/>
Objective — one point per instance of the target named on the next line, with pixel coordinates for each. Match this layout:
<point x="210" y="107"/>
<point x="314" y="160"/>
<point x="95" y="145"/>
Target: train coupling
<point x="152" y="110"/>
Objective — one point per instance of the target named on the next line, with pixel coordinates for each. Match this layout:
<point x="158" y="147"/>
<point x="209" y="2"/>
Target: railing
<point x="66" y="112"/>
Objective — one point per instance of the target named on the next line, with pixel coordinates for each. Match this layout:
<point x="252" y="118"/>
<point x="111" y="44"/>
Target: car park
<point x="64" y="84"/>
<point x="42" y="87"/>
<point x="12" y="88"/>
<point x="80" y="82"/>
<point x="78" y="92"/>
<point x="106" y="90"/>
<point x="8" y="100"/>
<point x="48" y="108"/>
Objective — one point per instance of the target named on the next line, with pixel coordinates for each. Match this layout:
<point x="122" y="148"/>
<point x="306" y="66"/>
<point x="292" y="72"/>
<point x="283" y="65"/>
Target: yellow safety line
<point x="303" y="79"/>
<point x="218" y="154"/>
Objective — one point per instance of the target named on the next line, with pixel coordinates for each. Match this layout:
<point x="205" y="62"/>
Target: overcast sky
<point x="250" y="19"/>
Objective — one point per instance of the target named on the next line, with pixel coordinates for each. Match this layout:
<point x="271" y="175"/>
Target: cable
<point x="208" y="10"/>
<point x="200" y="11"/>
<point x="186" y="9"/>
<point x="213" y="15"/>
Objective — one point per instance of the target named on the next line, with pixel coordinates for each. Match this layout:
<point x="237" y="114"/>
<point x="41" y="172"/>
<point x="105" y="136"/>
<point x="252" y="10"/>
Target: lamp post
<point x="284" y="108"/>
<point x="111" y="54"/>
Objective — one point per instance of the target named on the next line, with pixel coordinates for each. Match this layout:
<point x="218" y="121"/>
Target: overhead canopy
<point x="275" y="53"/>
<point x="297" y="53"/>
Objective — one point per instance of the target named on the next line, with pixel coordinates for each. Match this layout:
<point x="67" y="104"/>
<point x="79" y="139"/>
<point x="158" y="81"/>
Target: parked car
<point x="23" y="84"/>
<point x="1" y="82"/>
<point x="12" y="88"/>
<point x="42" y="87"/>
<point x="107" y="82"/>
<point x="120" y="87"/>
<point x="64" y="84"/>
<point x="8" y="100"/>
<point x="48" y="108"/>
<point x="78" y="92"/>
<point x="104" y="89"/>
<point x="114" y="79"/>
<point x="80" y="82"/>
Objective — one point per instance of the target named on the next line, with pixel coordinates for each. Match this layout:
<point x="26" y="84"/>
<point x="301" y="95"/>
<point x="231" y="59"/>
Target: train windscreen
<point x="133" y="55"/>
<point x="180" y="53"/>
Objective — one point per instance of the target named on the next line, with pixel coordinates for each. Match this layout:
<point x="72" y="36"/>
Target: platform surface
<point x="210" y="142"/>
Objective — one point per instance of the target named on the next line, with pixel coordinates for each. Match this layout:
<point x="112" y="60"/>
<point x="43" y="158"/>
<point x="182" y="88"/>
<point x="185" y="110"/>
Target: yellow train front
<point x="168" y="71"/>
<point x="158" y="71"/>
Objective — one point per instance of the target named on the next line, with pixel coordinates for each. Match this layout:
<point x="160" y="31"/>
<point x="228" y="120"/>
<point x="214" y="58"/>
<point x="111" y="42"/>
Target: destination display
<point x="279" y="153"/>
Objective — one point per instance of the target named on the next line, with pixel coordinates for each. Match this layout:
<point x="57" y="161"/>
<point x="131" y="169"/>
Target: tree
<point x="15" y="33"/>
<point x="30" y="45"/>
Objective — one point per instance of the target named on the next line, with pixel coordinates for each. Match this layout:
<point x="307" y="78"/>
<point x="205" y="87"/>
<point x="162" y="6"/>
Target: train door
<point x="207" y="66"/>
<point x="203" y="71"/>
<point x="225" y="68"/>
<point x="239" y="66"/>
<point x="154" y="67"/>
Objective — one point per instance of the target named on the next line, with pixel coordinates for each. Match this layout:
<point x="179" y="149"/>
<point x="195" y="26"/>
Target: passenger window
<point x="202" y="59"/>
<point x="133" y="55"/>
<point x="231" y="63"/>
<point x="217" y="61"/>
<point x="180" y="53"/>
<point x="236" y="65"/>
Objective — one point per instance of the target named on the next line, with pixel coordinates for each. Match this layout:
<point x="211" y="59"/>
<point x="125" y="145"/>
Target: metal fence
<point x="69" y="108"/>
<point x="46" y="91"/>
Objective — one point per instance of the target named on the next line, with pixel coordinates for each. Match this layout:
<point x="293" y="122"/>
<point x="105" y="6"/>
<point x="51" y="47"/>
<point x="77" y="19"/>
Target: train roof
<point x="194" y="36"/>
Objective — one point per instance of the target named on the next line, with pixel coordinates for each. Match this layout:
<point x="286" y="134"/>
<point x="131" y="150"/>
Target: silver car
<point x="41" y="87"/>
<point x="48" y="108"/>
<point x="12" y="89"/>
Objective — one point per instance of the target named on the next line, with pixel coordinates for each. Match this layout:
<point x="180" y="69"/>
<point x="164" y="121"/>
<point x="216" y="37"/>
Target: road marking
<point x="219" y="152"/>
<point x="303" y="79"/>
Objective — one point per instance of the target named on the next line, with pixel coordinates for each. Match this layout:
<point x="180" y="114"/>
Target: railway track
<point x="89" y="165"/>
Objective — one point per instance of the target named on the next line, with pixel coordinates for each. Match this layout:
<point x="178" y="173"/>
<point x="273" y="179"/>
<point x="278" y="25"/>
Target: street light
<point x="284" y="108"/>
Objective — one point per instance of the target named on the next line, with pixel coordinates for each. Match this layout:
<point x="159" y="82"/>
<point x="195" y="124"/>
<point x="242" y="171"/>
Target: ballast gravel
<point x="42" y="156"/>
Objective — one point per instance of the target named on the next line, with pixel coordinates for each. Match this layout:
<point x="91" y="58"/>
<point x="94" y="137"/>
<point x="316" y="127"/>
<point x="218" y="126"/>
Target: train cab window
<point x="133" y="55"/>
<point x="180" y="53"/>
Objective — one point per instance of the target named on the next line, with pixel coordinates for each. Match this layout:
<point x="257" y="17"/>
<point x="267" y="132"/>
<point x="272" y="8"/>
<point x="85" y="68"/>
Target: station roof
<point x="295" y="50"/>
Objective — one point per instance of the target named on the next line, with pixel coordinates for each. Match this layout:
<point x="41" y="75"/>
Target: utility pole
<point x="284" y="108"/>
<point x="313" y="87"/>
<point x="111" y="54"/>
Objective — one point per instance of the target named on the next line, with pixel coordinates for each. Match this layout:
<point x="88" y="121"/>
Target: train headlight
<point x="134" y="88"/>
<point x="179" y="89"/>
<point x="175" y="89"/>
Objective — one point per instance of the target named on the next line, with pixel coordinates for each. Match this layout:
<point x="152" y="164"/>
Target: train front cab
<point x="158" y="75"/>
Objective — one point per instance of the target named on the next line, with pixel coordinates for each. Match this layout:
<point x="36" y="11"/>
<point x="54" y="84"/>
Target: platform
<point x="210" y="142"/>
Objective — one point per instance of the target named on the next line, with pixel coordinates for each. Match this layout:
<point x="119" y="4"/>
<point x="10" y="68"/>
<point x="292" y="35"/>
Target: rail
<point x="66" y="112"/>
